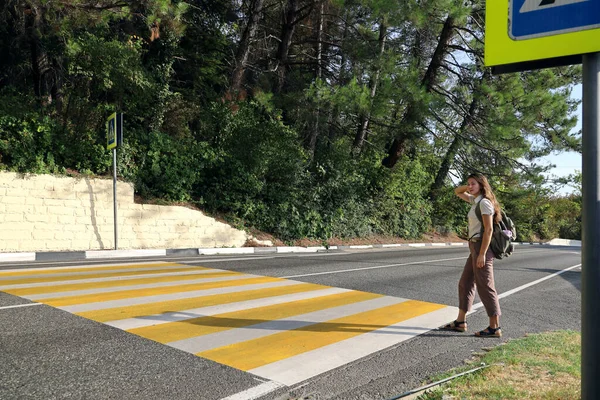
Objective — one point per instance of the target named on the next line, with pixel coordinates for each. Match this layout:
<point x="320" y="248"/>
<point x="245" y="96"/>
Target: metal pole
<point x="590" y="270"/>
<point x="115" y="192"/>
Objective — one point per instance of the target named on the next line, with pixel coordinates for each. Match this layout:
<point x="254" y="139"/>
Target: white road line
<point x="116" y="289"/>
<point x="202" y="261"/>
<point x="224" y="338"/>
<point x="84" y="273"/>
<point x="175" y="316"/>
<point x="523" y="287"/>
<point x="298" y="368"/>
<point x="115" y="278"/>
<point x="90" y="262"/>
<point x="21" y="305"/>
<point x="103" y="305"/>
<point x="376" y="267"/>
<point x="59" y="268"/>
<point x="391" y="265"/>
<point x="320" y="254"/>
<point x="256" y="391"/>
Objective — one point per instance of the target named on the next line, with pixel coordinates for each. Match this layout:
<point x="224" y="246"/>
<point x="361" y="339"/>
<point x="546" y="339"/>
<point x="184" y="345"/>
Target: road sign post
<point x="590" y="271"/>
<point x="529" y="34"/>
<point x="114" y="137"/>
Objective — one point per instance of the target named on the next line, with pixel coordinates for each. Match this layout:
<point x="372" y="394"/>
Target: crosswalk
<point x="279" y="329"/>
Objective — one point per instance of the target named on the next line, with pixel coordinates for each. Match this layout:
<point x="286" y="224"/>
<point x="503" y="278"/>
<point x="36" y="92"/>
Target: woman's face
<point x="474" y="187"/>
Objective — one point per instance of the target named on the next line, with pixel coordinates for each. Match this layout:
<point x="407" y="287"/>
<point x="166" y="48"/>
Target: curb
<point x="104" y="254"/>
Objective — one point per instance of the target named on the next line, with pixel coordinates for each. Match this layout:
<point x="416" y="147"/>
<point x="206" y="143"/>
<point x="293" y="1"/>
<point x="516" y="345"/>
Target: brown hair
<point x="486" y="191"/>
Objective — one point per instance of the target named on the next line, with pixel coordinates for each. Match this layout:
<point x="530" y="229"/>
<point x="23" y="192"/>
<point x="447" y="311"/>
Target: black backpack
<point x="502" y="236"/>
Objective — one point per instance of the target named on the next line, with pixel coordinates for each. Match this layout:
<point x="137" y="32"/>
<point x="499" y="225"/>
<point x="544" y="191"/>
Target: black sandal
<point x="458" y="326"/>
<point x="490" y="332"/>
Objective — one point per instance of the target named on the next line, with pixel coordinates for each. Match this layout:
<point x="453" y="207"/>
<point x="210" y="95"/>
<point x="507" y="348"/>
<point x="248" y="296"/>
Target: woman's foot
<point x="490" y="332"/>
<point x="458" y="326"/>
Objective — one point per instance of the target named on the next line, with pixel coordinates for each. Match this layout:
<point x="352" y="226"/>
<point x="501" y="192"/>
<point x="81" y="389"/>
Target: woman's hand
<point x="480" y="261"/>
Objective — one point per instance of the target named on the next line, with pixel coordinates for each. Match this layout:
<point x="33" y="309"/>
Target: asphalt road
<point x="48" y="353"/>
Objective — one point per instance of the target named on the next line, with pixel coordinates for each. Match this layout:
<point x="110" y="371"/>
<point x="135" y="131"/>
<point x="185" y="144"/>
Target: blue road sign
<point x="537" y="18"/>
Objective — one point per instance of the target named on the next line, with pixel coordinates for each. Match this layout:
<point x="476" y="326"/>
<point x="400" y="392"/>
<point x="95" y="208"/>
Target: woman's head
<point x="479" y="185"/>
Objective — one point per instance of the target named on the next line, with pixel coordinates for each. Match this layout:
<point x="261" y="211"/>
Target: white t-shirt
<point x="487" y="208"/>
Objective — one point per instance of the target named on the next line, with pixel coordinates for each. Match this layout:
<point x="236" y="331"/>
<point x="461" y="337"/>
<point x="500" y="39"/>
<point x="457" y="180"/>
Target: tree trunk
<point x="312" y="140"/>
<point x="241" y="56"/>
<point x="341" y="80"/>
<point x="453" y="149"/>
<point x="288" y="25"/>
<point x="45" y="69"/>
<point x="320" y="40"/>
<point x="466" y="123"/>
<point x="412" y="116"/>
<point x="365" y="118"/>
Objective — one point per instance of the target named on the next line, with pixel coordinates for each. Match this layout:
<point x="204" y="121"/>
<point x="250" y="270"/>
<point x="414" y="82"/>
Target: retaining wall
<point x="55" y="213"/>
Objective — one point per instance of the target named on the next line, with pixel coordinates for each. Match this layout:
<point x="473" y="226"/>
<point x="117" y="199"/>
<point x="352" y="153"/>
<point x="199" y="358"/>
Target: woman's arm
<point x="488" y="227"/>
<point x="462" y="192"/>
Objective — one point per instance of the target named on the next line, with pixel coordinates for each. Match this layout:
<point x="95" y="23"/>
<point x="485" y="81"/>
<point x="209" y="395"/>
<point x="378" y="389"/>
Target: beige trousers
<point x="482" y="278"/>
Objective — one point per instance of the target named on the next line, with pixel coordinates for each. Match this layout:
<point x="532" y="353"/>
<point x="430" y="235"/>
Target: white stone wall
<point x="54" y="213"/>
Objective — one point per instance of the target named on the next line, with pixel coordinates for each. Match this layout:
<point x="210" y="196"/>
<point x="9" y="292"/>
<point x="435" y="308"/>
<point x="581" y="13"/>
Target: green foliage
<point x="166" y="65"/>
<point x="402" y="209"/>
<point x="169" y="169"/>
<point x="26" y="144"/>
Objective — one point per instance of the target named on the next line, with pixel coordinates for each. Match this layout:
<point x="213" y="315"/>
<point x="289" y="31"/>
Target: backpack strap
<point x="478" y="214"/>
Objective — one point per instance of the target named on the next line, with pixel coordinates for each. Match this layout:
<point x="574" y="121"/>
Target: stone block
<point x="12" y="217"/>
<point x="54" y="202"/>
<point x="43" y="235"/>
<point x="12" y="199"/>
<point x="19" y="209"/>
<point x="46" y="227"/>
<point x="34" y="201"/>
<point x="54" y="210"/>
<point x="34" y="217"/>
<point x="64" y="235"/>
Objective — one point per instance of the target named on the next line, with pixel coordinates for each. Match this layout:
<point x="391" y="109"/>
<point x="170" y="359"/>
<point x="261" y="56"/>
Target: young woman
<point x="479" y="268"/>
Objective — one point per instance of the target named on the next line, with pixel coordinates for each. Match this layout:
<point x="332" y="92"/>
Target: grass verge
<point x="540" y="366"/>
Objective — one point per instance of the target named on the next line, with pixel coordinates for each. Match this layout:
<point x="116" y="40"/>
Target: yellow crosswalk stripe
<point x="57" y="270"/>
<point x="98" y="285"/>
<point x="113" y="314"/>
<point x="18" y="281"/>
<point x="128" y="294"/>
<point x="255" y="353"/>
<point x="173" y="331"/>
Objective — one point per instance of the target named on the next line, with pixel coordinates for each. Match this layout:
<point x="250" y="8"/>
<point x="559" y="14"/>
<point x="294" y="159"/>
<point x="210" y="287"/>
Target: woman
<point x="479" y="268"/>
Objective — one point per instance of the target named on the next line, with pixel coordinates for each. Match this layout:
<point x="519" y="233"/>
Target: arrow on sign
<point x="536" y="5"/>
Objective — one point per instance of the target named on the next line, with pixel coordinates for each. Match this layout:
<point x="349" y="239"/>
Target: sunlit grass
<point x="542" y="366"/>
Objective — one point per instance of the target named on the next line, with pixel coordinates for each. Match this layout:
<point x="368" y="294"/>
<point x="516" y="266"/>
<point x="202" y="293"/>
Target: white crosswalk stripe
<point x="283" y="330"/>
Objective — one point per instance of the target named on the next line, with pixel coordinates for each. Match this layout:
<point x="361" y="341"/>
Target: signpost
<point x="114" y="137"/>
<point x="529" y="34"/>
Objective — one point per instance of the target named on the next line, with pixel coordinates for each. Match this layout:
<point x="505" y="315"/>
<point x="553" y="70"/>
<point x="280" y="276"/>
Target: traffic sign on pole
<point x="530" y="34"/>
<point x="114" y="138"/>
<point x="114" y="130"/>
<point x="539" y="18"/>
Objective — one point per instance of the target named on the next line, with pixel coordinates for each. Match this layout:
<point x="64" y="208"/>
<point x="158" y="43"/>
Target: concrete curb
<point x="104" y="254"/>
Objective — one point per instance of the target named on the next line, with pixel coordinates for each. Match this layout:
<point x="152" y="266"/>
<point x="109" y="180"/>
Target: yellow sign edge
<point x="114" y="144"/>
<point x="500" y="49"/>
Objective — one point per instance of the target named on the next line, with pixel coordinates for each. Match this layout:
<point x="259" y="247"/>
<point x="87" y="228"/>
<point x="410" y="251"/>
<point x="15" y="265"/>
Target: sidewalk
<point x="103" y="254"/>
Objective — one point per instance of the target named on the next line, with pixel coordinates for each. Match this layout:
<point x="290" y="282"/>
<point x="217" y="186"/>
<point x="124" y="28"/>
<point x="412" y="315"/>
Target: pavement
<point x="134" y="253"/>
<point x="353" y="323"/>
